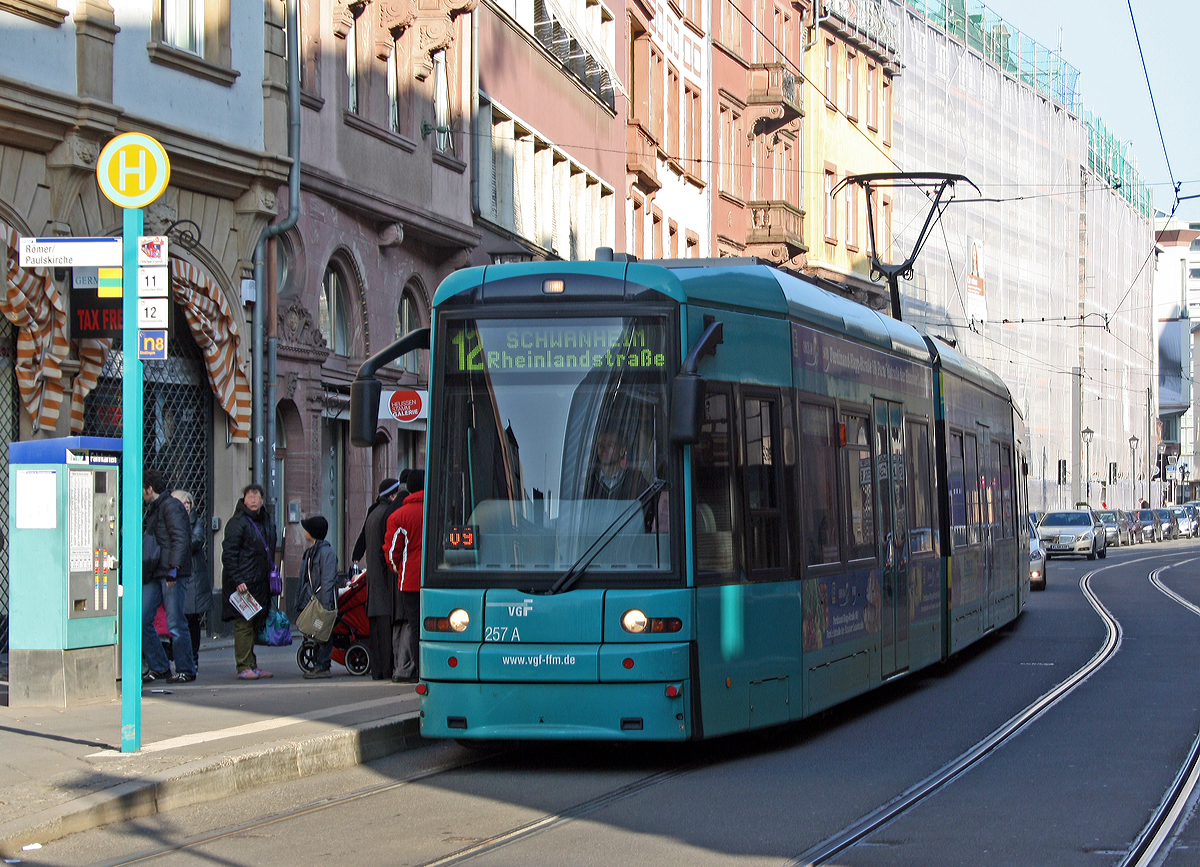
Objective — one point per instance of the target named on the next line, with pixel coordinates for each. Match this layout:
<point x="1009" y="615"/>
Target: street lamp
<point x="1133" y="444"/>
<point x="1086" y="433"/>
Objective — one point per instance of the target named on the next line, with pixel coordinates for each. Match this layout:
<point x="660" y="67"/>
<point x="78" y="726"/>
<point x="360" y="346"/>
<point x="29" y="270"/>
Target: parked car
<point x="1037" y="559"/>
<point x="1135" y="527"/>
<point x="1152" y="529"/>
<point x="1170" y="526"/>
<point x="1079" y="532"/>
<point x="1184" y="519"/>
<point x="1116" y="527"/>
<point x="1194" y="513"/>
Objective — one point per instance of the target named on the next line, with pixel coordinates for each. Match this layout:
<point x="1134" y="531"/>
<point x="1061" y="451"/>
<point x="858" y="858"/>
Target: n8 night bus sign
<point x="532" y="349"/>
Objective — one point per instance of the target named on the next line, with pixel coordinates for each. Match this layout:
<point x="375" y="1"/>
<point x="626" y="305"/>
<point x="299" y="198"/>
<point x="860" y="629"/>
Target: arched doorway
<point x="177" y="406"/>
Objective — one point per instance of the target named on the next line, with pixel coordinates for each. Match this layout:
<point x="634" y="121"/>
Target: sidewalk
<point x="61" y="770"/>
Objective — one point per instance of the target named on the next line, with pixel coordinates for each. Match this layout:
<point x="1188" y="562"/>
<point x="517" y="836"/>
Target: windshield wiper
<point x="593" y="550"/>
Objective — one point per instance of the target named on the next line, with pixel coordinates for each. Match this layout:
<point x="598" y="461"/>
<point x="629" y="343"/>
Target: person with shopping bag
<point x="318" y="580"/>
<point x="247" y="561"/>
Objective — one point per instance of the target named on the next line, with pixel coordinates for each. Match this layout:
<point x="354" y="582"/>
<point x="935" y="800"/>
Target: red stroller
<point x="349" y="634"/>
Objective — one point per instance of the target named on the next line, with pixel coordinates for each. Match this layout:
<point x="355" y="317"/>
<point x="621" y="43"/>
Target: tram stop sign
<point x="133" y="170"/>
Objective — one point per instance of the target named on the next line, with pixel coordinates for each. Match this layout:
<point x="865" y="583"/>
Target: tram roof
<point x="748" y="284"/>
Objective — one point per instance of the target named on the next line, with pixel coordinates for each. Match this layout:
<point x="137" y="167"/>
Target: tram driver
<point x="611" y="477"/>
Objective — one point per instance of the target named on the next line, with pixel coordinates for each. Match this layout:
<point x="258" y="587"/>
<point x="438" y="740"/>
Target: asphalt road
<point x="1076" y="786"/>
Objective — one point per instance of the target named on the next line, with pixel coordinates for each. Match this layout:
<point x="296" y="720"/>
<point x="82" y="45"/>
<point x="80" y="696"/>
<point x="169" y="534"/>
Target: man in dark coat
<point x="247" y="558"/>
<point x="165" y="580"/>
<point x="381" y="580"/>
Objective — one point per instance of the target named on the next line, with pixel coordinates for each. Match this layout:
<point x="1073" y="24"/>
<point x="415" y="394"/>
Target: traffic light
<point x="1112" y="472"/>
<point x="1062" y="471"/>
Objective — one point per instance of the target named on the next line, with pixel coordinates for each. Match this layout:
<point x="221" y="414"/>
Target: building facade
<point x="71" y="77"/>
<point x="1046" y="271"/>
<point x="850" y="56"/>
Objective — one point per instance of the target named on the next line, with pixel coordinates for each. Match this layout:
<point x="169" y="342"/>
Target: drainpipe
<point x="818" y="20"/>
<point x="258" y="321"/>
<point x="476" y="205"/>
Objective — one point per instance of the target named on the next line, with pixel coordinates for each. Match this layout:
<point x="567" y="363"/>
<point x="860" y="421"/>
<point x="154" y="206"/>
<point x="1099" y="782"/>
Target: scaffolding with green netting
<point x="1109" y="158"/>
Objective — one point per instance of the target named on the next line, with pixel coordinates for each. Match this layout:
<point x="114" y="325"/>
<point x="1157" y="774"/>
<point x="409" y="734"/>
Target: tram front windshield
<point x="553" y="439"/>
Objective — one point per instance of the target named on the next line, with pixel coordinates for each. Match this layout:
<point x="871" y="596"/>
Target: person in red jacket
<point x="402" y="548"/>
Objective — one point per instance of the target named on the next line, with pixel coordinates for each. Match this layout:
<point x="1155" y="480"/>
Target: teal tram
<point x="679" y="499"/>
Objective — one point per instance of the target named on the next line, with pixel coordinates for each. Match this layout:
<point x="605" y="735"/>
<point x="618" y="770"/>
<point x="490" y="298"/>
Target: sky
<point x="1097" y="38"/>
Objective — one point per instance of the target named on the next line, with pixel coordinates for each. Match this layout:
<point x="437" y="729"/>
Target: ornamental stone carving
<point x="435" y="31"/>
<point x="296" y="326"/>
<point x="392" y="17"/>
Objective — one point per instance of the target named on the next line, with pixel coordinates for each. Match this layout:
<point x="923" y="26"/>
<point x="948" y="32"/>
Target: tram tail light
<point x="674" y="691"/>
<point x="422" y="689"/>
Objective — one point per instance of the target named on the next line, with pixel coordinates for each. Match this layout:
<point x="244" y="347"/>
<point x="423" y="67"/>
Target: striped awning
<point x="32" y="303"/>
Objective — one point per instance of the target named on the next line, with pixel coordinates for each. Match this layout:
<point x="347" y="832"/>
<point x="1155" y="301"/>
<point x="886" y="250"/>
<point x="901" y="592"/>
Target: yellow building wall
<point x="837" y="136"/>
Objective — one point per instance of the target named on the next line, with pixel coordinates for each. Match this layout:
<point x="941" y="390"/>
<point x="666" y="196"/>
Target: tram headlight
<point x="634" y="621"/>
<point x="459" y="620"/>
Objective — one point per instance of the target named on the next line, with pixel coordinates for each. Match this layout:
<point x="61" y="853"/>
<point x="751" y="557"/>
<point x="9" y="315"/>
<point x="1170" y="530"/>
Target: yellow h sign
<point x="133" y="170"/>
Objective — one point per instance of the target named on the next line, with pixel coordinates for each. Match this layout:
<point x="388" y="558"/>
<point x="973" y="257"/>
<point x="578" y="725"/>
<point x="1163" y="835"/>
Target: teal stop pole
<point x="131" y="491"/>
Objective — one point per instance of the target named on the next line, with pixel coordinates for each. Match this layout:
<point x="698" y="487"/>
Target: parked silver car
<point x="1186" y="525"/>
<point x="1078" y="532"/>
<point x="1116" y="528"/>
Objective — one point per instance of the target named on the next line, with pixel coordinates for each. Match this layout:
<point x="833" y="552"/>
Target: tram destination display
<point x="554" y="346"/>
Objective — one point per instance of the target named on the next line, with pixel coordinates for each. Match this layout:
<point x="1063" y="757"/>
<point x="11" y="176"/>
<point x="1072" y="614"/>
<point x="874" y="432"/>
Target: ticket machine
<point x="64" y="570"/>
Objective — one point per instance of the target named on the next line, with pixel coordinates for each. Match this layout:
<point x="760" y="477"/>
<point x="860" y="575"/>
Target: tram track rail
<point x="1155" y="835"/>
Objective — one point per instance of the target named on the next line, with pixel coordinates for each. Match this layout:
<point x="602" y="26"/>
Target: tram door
<point x="989" y="488"/>
<point x="891" y="499"/>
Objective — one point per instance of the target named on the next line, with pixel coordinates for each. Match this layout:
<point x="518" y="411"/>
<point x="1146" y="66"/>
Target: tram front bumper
<point x="563" y="691"/>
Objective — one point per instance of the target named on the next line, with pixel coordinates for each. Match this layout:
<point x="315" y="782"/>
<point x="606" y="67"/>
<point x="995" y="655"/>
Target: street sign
<point x="70" y="252"/>
<point x="153" y="282"/>
<point x="133" y="170"/>
<point x="152" y="345"/>
<point x="152" y="312"/>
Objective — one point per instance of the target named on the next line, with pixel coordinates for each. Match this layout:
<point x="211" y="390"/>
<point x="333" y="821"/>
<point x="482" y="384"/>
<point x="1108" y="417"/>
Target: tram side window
<point x="974" y="503"/>
<point x="958" y="492"/>
<point x="818" y="486"/>
<point x="764" y="530"/>
<point x="921" y="532"/>
<point x="712" y="462"/>
<point x="992" y="494"/>
<point x="1006" y="489"/>
<point x="860" y="488"/>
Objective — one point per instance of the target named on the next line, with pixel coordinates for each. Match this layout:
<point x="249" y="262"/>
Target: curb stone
<point x="216" y="777"/>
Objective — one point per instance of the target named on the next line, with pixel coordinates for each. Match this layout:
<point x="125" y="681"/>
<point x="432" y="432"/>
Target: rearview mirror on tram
<point x="687" y="408"/>
<point x="366" y="390"/>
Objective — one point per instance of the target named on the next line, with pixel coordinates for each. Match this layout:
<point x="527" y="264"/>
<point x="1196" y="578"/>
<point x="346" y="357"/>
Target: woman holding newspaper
<point x="247" y="559"/>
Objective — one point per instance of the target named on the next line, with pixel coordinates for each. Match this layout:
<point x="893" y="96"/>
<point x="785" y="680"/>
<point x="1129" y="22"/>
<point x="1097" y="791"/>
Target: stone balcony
<point x="776" y="231"/>
<point x="641" y="156"/>
<point x="773" y="100"/>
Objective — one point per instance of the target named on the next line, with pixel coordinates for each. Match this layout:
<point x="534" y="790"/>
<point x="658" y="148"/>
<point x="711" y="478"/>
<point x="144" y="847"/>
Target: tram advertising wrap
<point x="671" y="501"/>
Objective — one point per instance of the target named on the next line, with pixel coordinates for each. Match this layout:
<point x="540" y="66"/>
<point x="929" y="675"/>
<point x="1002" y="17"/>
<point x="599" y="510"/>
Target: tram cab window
<point x="860" y="489"/>
<point x="712" y="463"/>
<point x="958" y="492"/>
<point x="922" y="533"/>
<point x="818" y="486"/>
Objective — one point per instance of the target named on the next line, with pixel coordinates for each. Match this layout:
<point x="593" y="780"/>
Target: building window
<point x="657" y="237"/>
<point x="693" y="147"/>
<point x="399" y="79"/>
<point x="730" y="175"/>
<point x="192" y="36"/>
<point x="657" y="107"/>
<point x="443" y="140"/>
<point x="673" y="239"/>
<point x="831" y="73"/>
<point x="673" y="119"/>
<point x="352" y="68"/>
<point x="691" y="245"/>
<point x="333" y="311"/>
<point x="887" y="111"/>
<point x="183" y="25"/>
<point x="852" y="85"/>
<point x="638" y="227"/>
<point x="830" y="205"/>
<point x="408" y="319"/>
<point x="851" y="217"/>
<point x="872" y="107"/>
